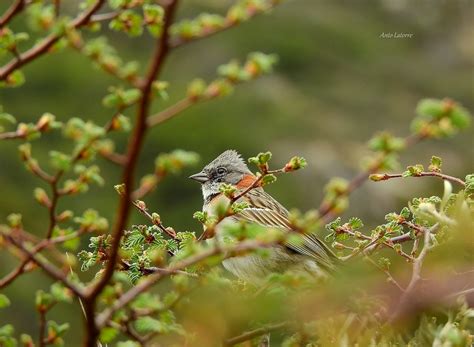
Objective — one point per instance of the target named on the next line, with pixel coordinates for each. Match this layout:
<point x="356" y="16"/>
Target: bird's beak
<point x="201" y="177"/>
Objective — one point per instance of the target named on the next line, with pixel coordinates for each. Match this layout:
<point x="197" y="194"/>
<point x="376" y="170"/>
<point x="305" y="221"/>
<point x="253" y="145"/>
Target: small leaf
<point x="60" y="161"/>
<point x="4" y="301"/>
<point x="435" y="165"/>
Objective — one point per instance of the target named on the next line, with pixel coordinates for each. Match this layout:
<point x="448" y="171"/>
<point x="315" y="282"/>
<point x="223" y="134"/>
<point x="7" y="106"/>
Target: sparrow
<point x="311" y="255"/>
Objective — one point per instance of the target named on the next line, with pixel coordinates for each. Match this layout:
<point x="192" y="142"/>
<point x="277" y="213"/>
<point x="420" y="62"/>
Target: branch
<point x="344" y="229"/>
<point x="153" y="269"/>
<point x="49" y="269"/>
<point x="179" y="41"/>
<point x="42" y="328"/>
<point x="11" y="12"/>
<point x="104" y="16"/>
<point x="144" y="285"/>
<point x="384" y="177"/>
<point x="254" y="333"/>
<point x="326" y="208"/>
<point x="133" y="151"/>
<point x="170" y="112"/>
<point x="415" y="278"/>
<point x="156" y="221"/>
<point x="44" y="45"/>
<point x="45" y="243"/>
<point x="390" y="278"/>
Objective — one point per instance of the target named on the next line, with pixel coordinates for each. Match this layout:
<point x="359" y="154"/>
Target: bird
<point x="309" y="256"/>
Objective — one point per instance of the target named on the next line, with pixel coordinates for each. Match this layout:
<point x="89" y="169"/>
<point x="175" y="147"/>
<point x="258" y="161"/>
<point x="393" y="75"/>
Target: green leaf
<point x="148" y="324"/>
<point x="13" y="80"/>
<point x="196" y="89"/>
<point x="26" y="340"/>
<point x="4" y="301"/>
<point x="14" y="220"/>
<point x="128" y="22"/>
<point x="435" y="165"/>
<point x="431" y="108"/>
<point x="355" y="223"/>
<point x="43" y="300"/>
<point x="335" y="224"/>
<point x="268" y="179"/>
<point x="201" y="216"/>
<point x="61" y="293"/>
<point x="227" y="189"/>
<point x="108" y="334"/>
<point x="6" y="118"/>
<point x="295" y="163"/>
<point x="405" y="213"/>
<point x="175" y="161"/>
<point x="60" y="161"/>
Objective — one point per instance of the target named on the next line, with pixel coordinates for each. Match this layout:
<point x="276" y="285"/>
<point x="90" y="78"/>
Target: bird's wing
<point x="266" y="211"/>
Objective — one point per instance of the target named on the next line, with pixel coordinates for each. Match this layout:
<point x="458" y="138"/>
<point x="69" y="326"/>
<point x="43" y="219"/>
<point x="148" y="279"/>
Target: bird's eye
<point x="221" y="171"/>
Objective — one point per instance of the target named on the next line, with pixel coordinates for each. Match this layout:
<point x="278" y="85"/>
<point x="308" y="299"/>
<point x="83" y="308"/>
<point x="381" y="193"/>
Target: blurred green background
<point x="337" y="83"/>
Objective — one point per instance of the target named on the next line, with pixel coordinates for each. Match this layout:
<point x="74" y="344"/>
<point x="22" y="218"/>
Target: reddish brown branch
<point x="169" y="231"/>
<point x="45" y="243"/>
<point x="386" y="176"/>
<point x="12" y="11"/>
<point x="48" y="268"/>
<point x="179" y="41"/>
<point x="42" y="328"/>
<point x="44" y="45"/>
<point x="144" y="285"/>
<point x="326" y="207"/>
<point x="170" y="112"/>
<point x="134" y="148"/>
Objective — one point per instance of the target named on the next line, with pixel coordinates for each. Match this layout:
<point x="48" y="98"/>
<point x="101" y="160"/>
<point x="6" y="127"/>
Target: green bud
<point x="228" y="190"/>
<point x="355" y="223"/>
<point x="435" y="165"/>
<point x="41" y="196"/>
<point x="60" y="161"/>
<point x="196" y="89"/>
<point x="201" y="216"/>
<point x="14" y="220"/>
<point x="238" y="207"/>
<point x="414" y="170"/>
<point x="4" y="301"/>
<point x="377" y="177"/>
<point x="120" y="188"/>
<point x="295" y="163"/>
<point x="128" y="22"/>
<point x="156" y="219"/>
<point x="43" y="300"/>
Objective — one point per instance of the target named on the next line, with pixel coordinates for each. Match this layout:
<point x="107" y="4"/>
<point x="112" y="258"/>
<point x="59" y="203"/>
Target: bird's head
<point x="229" y="167"/>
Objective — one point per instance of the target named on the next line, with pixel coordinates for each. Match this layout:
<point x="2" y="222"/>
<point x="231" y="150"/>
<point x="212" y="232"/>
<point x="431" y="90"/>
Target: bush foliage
<point x="406" y="281"/>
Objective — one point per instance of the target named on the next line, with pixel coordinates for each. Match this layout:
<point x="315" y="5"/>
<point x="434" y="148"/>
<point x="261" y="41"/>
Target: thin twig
<point x="326" y="207"/>
<point x="142" y="286"/>
<point x="169" y="231"/>
<point x="254" y="333"/>
<point x="170" y="112"/>
<point x="390" y="278"/>
<point x="178" y="41"/>
<point x="415" y="277"/>
<point x="49" y="269"/>
<point x="12" y="11"/>
<point x="44" y="45"/>
<point x="386" y="176"/>
<point x="133" y="151"/>
<point x="42" y="328"/>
